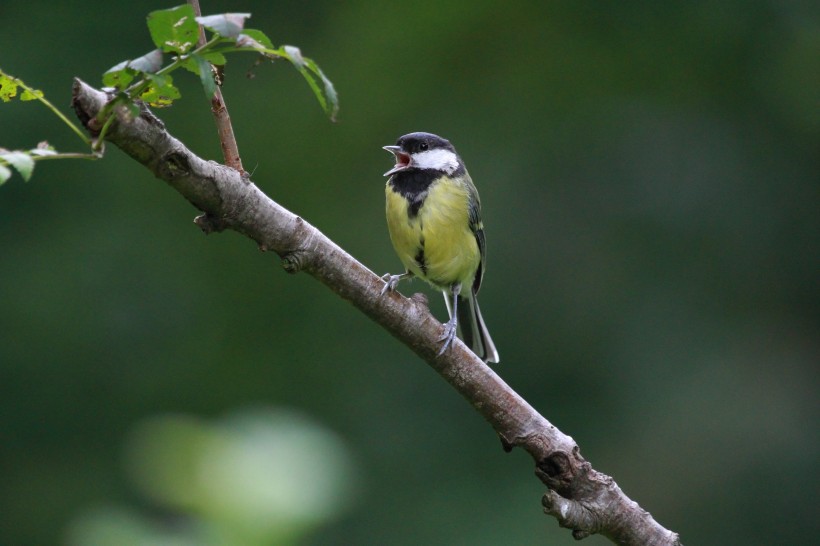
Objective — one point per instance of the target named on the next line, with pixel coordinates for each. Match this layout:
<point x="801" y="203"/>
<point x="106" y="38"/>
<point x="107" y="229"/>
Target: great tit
<point x="434" y="218"/>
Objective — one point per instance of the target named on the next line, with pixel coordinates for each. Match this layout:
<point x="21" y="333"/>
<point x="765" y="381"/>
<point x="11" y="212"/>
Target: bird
<point x="434" y="219"/>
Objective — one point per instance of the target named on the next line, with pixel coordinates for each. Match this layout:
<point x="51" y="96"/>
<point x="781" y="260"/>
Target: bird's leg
<point x="392" y="281"/>
<point x="452" y="325"/>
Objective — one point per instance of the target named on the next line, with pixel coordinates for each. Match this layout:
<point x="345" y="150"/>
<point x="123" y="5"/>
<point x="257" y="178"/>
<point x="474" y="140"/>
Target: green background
<point x="649" y="178"/>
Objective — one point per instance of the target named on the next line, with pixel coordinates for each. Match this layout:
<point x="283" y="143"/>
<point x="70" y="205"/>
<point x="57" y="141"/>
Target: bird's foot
<point x="448" y="335"/>
<point x="391" y="282"/>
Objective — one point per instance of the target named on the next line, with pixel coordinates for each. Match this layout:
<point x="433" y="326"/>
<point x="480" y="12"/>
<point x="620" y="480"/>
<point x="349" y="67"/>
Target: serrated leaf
<point x="322" y="87"/>
<point x="174" y="30"/>
<point x="228" y="25"/>
<point x="8" y="87"/>
<point x="162" y="92"/>
<point x="5" y="174"/>
<point x="332" y="105"/>
<point x="20" y="161"/>
<point x="250" y="35"/>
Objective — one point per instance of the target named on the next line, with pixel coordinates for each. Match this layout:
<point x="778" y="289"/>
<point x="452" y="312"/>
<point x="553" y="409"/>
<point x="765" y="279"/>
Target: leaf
<point x="119" y="79"/>
<point x="20" y="161"/>
<point x="191" y="64"/>
<point x="254" y="38"/>
<point x="43" y="149"/>
<point x="206" y="75"/>
<point x="215" y="58"/>
<point x="322" y="87"/>
<point x="332" y="106"/>
<point x="174" y="30"/>
<point x="5" y="174"/>
<point x="150" y="62"/>
<point x="295" y="56"/>
<point x="162" y="92"/>
<point x="31" y="94"/>
<point x="133" y="110"/>
<point x="121" y="75"/>
<point x="228" y="25"/>
<point x="8" y="87"/>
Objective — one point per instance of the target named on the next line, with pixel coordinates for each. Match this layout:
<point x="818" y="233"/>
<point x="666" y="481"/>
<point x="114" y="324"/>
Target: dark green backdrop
<point x="649" y="176"/>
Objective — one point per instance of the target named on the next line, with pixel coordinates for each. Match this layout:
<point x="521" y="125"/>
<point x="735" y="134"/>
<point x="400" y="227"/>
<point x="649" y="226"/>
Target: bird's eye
<point x="423" y="146"/>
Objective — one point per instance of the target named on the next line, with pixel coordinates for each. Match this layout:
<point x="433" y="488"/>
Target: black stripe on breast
<point x="420" y="261"/>
<point x="414" y="205"/>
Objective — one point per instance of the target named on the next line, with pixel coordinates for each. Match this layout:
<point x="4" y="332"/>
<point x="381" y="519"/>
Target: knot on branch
<point x="173" y="165"/>
<point x="555" y="470"/>
<point x="293" y="261"/>
<point x="210" y="224"/>
<point x="420" y="299"/>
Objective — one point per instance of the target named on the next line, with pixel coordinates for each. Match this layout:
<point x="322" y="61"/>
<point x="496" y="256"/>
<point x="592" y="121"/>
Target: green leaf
<point x="206" y="75"/>
<point x="174" y="30"/>
<point x="162" y="92"/>
<point x="332" y="105"/>
<point x="133" y="110"/>
<point x="8" y="87"/>
<point x="249" y="36"/>
<point x="215" y="58"/>
<point x="20" y="161"/>
<point x="31" y="94"/>
<point x="228" y="25"/>
<point x="121" y="75"/>
<point x="322" y="87"/>
<point x="121" y="78"/>
<point x="5" y="174"/>
<point x="192" y="64"/>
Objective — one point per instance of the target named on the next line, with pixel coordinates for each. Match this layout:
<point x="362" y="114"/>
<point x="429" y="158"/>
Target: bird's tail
<point x="471" y="327"/>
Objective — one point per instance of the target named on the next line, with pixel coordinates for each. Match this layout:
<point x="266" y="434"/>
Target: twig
<point x="219" y="109"/>
<point x="580" y="498"/>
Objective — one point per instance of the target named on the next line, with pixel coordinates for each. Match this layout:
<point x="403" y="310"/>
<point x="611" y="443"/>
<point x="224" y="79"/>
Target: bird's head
<point x="423" y="151"/>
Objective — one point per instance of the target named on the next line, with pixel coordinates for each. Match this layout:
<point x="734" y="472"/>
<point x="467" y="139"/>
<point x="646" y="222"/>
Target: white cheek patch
<point x="440" y="159"/>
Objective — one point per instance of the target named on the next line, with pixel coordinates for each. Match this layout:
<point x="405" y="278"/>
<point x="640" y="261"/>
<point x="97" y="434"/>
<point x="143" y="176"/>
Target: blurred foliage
<point x="258" y="477"/>
<point x="649" y="180"/>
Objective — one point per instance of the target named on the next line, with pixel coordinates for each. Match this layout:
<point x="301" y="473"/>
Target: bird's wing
<point x="478" y="230"/>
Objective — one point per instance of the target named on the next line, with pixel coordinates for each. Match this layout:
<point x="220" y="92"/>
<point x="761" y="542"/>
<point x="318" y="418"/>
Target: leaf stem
<point x="40" y="97"/>
<point x="60" y="115"/>
<point x="67" y="155"/>
<point x="100" y="141"/>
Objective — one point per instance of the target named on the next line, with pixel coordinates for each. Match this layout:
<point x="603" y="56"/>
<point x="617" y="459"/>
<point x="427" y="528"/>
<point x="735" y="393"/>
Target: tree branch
<point x="579" y="497"/>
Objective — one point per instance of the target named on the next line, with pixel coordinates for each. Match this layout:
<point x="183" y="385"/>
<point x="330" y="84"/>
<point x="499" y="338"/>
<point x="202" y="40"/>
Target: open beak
<point x="403" y="160"/>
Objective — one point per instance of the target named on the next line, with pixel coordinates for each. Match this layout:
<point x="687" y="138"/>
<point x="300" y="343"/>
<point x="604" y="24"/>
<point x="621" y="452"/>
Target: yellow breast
<point x="436" y="244"/>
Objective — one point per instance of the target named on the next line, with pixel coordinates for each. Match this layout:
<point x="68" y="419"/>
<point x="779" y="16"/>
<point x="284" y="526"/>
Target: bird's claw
<point x="447" y="336"/>
<point x="391" y="282"/>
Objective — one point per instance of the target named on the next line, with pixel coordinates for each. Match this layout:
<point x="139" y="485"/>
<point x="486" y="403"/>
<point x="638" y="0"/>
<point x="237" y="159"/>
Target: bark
<point x="579" y="497"/>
